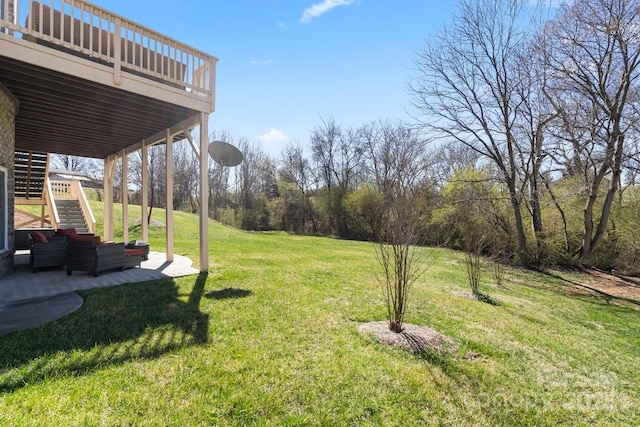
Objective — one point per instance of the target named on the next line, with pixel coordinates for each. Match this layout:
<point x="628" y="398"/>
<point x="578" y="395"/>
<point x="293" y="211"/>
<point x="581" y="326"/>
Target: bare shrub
<point x="474" y="245"/>
<point x="497" y="269"/>
<point x="401" y="260"/>
<point x="473" y="262"/>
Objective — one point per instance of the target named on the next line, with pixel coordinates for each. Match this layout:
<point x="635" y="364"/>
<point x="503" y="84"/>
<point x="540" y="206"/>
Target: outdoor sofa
<point x="88" y="253"/>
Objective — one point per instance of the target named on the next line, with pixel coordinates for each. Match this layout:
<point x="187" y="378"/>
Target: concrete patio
<point x="29" y="299"/>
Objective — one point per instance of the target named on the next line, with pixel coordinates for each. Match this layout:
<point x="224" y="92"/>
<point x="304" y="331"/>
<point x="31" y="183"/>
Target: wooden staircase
<point x="71" y="216"/>
<point x="64" y="201"/>
<point x="31" y="169"/>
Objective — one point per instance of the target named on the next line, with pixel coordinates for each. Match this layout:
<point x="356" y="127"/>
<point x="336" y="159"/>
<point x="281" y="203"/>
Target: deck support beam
<point x="109" y="171"/>
<point x="169" y="196"/>
<point x="144" y="204"/>
<point x="204" y="192"/>
<point x="125" y="197"/>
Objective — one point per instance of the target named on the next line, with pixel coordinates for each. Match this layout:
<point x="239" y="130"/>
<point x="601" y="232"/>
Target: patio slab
<point x="29" y="299"/>
<point x="28" y="314"/>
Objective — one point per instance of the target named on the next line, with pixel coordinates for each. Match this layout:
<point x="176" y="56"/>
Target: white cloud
<point x="320" y="8"/>
<point x="273" y="136"/>
<point x="260" y="61"/>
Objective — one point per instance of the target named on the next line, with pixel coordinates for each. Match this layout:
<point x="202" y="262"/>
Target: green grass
<point x="269" y="337"/>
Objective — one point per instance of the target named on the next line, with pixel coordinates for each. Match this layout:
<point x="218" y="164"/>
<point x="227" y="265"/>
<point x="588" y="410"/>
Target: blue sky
<point x="285" y="64"/>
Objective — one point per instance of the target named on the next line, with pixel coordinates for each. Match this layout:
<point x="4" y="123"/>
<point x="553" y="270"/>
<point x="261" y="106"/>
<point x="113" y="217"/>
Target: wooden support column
<point x="125" y="197"/>
<point x="204" y="193"/>
<point x="109" y="166"/>
<point x="145" y="194"/>
<point x="169" y="196"/>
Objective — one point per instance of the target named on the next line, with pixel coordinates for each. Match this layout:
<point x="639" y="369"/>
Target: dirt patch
<point x="613" y="284"/>
<point x="24" y="220"/>
<point x="415" y="339"/>
<point x="603" y="286"/>
<point x="152" y="223"/>
<point x="468" y="295"/>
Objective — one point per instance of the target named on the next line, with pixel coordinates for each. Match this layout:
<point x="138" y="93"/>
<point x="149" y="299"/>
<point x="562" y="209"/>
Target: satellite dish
<point x="225" y="154"/>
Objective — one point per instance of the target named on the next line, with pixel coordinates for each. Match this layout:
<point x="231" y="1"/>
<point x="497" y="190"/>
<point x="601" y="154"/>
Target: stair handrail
<point x="78" y="191"/>
<point x="54" y="218"/>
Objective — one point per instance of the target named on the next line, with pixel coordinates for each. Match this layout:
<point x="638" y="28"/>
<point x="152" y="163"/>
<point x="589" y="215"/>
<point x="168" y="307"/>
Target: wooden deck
<point x="91" y="82"/>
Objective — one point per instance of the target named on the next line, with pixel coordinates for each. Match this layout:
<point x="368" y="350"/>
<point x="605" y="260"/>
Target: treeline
<point x="523" y="140"/>
<point x="340" y="183"/>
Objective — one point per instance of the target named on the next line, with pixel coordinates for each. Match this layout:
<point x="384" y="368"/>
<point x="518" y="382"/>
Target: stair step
<point x="71" y="216"/>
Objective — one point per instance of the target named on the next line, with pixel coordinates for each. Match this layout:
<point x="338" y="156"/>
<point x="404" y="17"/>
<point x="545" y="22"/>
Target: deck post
<point x="145" y="193"/>
<point x="169" y="198"/>
<point x="125" y="197"/>
<point x="204" y="192"/>
<point x="109" y="164"/>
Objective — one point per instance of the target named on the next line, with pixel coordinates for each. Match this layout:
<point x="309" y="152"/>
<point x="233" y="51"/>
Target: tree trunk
<point x="536" y="216"/>
<point x="534" y="187"/>
<point x="522" y="239"/>
<point x="608" y="201"/>
<point x="585" y="250"/>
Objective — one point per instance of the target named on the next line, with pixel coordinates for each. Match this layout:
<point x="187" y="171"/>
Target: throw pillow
<point x="38" y="237"/>
<point x="68" y="232"/>
<point x="86" y="238"/>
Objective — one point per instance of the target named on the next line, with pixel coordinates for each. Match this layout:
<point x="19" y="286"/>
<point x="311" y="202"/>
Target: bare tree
<point x="531" y="128"/>
<point x="219" y="196"/>
<point x="467" y="89"/>
<point x="396" y="154"/>
<point x="185" y="166"/>
<point x="295" y="168"/>
<point x="257" y="178"/>
<point x="594" y="61"/>
<point x="72" y="163"/>
<point x="156" y="180"/>
<point x="448" y="160"/>
<point x="338" y="155"/>
<point x="396" y="160"/>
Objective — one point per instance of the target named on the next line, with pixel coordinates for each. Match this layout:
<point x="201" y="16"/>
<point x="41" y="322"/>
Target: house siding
<point x="8" y="109"/>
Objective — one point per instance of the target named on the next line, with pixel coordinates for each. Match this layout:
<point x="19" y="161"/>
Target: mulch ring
<point x="415" y="339"/>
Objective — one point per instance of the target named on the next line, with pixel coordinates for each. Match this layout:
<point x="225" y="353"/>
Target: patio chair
<point x="46" y="251"/>
<point x="87" y="255"/>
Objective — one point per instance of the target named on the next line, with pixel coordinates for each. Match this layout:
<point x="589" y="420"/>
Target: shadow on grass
<point x="486" y="299"/>
<point x="115" y="325"/>
<point x="588" y="293"/>
<point x="228" y="293"/>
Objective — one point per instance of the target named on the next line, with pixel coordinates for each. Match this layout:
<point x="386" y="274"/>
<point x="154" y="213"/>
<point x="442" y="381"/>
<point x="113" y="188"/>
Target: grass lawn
<point x="269" y="337"/>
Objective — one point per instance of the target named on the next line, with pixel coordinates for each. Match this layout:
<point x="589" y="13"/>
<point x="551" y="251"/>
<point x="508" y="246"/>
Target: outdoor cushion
<point x="86" y="238"/>
<point x="133" y="252"/>
<point x="67" y="232"/>
<point x="38" y="237"/>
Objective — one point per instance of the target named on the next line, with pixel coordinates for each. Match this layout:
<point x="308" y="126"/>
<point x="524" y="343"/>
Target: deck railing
<point x="50" y="202"/>
<point x="84" y="29"/>
<point x="71" y="190"/>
